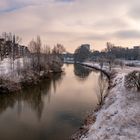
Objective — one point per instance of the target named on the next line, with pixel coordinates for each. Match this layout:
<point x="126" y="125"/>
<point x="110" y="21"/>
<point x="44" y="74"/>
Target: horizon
<point x="91" y="46"/>
<point x="73" y="22"/>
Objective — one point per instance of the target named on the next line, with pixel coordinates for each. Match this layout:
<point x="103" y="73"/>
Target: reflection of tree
<point x="7" y="100"/>
<point x="103" y="86"/>
<point x="81" y="71"/>
<point x="56" y="80"/>
<point x="33" y="96"/>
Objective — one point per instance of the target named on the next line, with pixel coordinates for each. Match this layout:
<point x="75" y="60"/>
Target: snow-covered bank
<point x="118" y="119"/>
<point x="22" y="72"/>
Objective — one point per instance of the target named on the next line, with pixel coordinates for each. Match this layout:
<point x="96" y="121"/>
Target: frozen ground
<point x="119" y="117"/>
<point x="135" y="62"/>
<point x="9" y="69"/>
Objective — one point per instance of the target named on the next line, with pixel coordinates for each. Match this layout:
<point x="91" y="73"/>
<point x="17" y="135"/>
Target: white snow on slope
<point x="119" y="118"/>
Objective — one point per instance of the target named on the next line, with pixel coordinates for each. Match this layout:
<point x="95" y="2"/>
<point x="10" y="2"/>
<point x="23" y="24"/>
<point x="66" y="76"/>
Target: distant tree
<point x="46" y="57"/>
<point x="35" y="47"/>
<point x="58" y="49"/>
<point x="32" y="49"/>
<point x="38" y="52"/>
<point x="47" y="49"/>
<point x="82" y="53"/>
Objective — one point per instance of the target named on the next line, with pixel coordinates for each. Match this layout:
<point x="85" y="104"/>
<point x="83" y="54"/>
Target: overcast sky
<point x="73" y="22"/>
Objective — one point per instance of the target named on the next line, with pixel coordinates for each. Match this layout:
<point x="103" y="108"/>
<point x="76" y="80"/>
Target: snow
<point x="92" y="64"/>
<point x="119" y="117"/>
<point x="98" y="66"/>
<point x="7" y="71"/>
<point x="135" y="62"/>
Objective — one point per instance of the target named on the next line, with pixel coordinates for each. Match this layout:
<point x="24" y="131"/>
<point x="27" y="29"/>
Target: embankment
<point x="118" y="118"/>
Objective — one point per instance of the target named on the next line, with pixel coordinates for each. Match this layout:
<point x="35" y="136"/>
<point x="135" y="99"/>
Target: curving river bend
<point x="55" y="109"/>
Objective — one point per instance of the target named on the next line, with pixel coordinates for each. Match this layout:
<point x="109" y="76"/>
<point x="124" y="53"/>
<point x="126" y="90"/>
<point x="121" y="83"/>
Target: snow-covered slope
<point x="119" y="117"/>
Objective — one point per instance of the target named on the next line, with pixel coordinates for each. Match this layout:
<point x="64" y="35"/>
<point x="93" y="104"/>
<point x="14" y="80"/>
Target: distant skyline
<point x="73" y="22"/>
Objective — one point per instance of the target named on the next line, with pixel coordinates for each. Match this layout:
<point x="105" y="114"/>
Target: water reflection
<point x="52" y="110"/>
<point x="33" y="96"/>
<point x="81" y="72"/>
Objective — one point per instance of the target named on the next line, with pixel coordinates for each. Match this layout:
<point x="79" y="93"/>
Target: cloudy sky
<point x="73" y="22"/>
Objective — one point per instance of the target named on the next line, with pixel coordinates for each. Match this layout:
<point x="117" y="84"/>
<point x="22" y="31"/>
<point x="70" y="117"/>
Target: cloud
<point x="11" y="5"/>
<point x="115" y="23"/>
<point x="127" y="34"/>
<point x="134" y="12"/>
<point x="71" y="21"/>
<point x="65" y="1"/>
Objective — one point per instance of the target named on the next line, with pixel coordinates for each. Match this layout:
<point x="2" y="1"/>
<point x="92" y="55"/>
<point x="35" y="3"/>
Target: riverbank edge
<point x="10" y="86"/>
<point x="91" y="117"/>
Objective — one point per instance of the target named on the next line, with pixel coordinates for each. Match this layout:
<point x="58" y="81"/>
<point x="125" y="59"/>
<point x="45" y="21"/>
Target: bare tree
<point x="102" y="88"/>
<point x="35" y="47"/>
<point x="47" y="56"/>
<point x="58" y="49"/>
<point x="38" y="53"/>
<point x="32" y="49"/>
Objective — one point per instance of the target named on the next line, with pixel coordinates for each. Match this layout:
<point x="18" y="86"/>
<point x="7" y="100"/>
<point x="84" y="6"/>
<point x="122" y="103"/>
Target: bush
<point x="132" y="80"/>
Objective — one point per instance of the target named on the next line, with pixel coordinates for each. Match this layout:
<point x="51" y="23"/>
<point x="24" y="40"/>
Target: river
<point x="54" y="109"/>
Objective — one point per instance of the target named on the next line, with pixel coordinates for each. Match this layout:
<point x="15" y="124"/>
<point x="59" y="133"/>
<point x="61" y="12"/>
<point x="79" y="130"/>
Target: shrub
<point x="132" y="80"/>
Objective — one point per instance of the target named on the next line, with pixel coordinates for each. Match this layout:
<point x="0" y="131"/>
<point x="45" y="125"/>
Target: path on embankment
<point x="118" y="119"/>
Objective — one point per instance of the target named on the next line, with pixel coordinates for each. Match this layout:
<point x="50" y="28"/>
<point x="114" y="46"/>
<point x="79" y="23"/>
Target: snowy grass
<point x="118" y="119"/>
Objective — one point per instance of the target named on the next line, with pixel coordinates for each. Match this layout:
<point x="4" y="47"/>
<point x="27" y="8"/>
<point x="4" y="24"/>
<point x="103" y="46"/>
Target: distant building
<point x="10" y="49"/>
<point x="136" y="52"/>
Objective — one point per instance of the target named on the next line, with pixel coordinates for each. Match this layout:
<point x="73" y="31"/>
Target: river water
<point x="53" y="110"/>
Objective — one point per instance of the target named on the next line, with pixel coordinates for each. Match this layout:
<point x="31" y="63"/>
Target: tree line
<point x="111" y="52"/>
<point x="32" y="61"/>
<point x="117" y="52"/>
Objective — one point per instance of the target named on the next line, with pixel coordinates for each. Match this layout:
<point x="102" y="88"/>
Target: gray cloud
<point x="134" y="12"/>
<point x="112" y="23"/>
<point x="95" y="36"/>
<point x="127" y="34"/>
